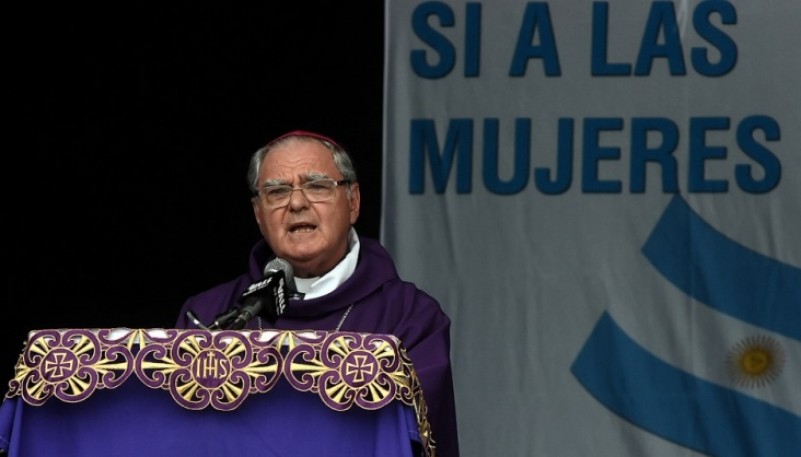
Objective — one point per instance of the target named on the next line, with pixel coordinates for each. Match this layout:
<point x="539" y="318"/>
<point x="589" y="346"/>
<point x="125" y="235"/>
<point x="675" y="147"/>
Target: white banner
<point x="605" y="197"/>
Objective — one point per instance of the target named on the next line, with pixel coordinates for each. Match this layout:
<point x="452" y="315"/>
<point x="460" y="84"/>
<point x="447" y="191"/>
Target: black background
<point x="128" y="131"/>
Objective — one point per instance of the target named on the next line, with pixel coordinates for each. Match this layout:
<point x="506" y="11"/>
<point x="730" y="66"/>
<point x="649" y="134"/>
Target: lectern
<point x="170" y="392"/>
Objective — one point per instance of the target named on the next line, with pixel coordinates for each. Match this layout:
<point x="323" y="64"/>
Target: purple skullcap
<point x="304" y="133"/>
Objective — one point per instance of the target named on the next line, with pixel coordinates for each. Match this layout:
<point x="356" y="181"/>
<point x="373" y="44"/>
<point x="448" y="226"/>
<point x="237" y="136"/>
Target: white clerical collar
<point x="322" y="285"/>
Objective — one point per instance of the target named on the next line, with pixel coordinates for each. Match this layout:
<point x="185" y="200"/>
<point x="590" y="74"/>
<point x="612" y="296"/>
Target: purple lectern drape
<point x="133" y="420"/>
<point x="53" y="410"/>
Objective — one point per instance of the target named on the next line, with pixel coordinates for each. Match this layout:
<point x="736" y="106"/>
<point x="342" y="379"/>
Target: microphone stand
<point x="221" y="322"/>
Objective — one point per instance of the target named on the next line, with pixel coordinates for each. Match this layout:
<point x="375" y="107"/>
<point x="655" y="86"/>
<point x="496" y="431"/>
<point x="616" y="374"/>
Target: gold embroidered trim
<point x="221" y="368"/>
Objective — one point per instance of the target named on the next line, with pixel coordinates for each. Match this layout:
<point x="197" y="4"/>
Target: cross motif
<point x="59" y="366"/>
<point x="358" y="367"/>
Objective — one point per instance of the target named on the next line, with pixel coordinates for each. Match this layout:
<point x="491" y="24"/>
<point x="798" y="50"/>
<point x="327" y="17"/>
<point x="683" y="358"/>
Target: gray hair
<point x="342" y="159"/>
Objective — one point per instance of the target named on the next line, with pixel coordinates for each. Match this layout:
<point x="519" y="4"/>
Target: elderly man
<point x="306" y="200"/>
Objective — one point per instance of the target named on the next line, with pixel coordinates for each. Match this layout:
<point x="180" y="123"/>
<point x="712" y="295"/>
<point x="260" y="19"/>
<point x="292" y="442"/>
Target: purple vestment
<point x="382" y="303"/>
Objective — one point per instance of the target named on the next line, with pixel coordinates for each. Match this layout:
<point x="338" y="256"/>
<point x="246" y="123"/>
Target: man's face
<point x="313" y="237"/>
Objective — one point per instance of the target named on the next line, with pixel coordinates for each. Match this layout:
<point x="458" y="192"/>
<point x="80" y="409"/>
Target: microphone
<point x="268" y="297"/>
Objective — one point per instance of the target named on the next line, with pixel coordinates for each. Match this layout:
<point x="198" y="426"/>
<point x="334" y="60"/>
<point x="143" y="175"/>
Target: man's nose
<point x="297" y="199"/>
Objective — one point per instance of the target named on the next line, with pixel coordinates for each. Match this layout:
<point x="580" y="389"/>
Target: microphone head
<point x="280" y="264"/>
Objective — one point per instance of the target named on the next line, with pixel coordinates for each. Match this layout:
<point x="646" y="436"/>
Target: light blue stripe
<point x="680" y="407"/>
<point x="723" y="274"/>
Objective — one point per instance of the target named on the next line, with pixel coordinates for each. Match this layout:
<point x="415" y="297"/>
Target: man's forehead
<point x="287" y="163"/>
<point x="298" y="153"/>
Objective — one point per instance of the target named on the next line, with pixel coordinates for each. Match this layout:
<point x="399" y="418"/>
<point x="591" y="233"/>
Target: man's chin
<point x="301" y="254"/>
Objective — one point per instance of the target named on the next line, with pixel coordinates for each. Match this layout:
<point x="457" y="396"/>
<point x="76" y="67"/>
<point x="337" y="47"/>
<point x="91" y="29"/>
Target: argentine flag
<point x="715" y="366"/>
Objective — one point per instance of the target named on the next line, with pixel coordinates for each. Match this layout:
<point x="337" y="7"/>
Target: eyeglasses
<point x="316" y="191"/>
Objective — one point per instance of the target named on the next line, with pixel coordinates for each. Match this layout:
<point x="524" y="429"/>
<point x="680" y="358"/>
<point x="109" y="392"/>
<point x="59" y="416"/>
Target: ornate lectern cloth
<point x="305" y="389"/>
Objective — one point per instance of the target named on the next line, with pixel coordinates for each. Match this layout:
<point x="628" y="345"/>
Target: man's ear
<point x="257" y="209"/>
<point x="355" y="202"/>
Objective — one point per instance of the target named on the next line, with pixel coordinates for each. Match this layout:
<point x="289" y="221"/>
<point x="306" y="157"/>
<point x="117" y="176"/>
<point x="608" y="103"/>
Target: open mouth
<point x="302" y="228"/>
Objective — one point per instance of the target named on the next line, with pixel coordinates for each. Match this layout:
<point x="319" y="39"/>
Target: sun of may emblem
<point x="755" y="361"/>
